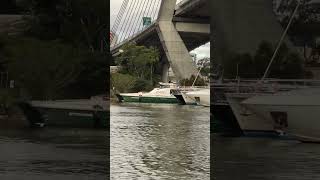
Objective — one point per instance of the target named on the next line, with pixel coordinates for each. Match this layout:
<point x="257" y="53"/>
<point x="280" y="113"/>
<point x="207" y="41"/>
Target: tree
<point x="80" y="22"/>
<point x="93" y="78"/>
<point x="69" y="36"/>
<point x="286" y="64"/>
<point x="138" y="61"/>
<point x="43" y="69"/>
<point x="306" y="24"/>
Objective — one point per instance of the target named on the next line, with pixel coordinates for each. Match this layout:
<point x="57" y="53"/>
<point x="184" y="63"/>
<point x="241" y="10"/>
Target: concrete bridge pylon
<point x="177" y="54"/>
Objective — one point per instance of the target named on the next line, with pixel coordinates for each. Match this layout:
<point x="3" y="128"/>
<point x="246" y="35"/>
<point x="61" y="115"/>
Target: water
<point x="51" y="154"/>
<point x="159" y="142"/>
<point x="264" y="159"/>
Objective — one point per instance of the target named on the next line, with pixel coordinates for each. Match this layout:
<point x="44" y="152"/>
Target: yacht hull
<point x="249" y="122"/>
<point x="298" y="115"/>
<point x="201" y="97"/>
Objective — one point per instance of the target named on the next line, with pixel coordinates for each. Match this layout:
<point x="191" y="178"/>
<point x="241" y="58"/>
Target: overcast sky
<point x="203" y="51"/>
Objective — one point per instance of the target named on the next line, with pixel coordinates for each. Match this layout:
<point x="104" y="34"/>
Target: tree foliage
<point x="306" y="23"/>
<point x="62" y="53"/>
<point x="43" y="69"/>
<point x="189" y="81"/>
<point x="286" y="64"/>
<point x="81" y="22"/>
<point x="138" y="61"/>
<point x="122" y="82"/>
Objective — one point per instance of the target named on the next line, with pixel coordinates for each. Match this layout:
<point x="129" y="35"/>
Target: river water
<point x="52" y="153"/>
<point x="159" y="141"/>
<point x="254" y="158"/>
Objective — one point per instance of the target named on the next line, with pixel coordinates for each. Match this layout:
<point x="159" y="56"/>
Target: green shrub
<point x="142" y="85"/>
<point x="189" y="81"/>
<point x="122" y="82"/>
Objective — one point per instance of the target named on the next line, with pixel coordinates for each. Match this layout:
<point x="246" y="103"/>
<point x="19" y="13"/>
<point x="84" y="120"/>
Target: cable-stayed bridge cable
<point x="128" y="24"/>
<point x="137" y="17"/>
<point x="135" y="27"/>
<point x="124" y="22"/>
<point x="144" y="13"/>
<point x="119" y="16"/>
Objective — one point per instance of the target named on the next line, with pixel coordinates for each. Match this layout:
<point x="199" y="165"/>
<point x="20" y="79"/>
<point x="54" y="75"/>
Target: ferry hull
<point x="144" y="99"/>
<point x="74" y="118"/>
<point x="85" y="113"/>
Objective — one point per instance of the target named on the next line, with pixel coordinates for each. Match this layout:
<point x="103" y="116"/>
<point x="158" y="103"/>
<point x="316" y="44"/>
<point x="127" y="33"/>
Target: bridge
<point x="236" y="26"/>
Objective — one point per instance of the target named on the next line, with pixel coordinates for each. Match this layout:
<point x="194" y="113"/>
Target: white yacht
<point x="157" y="95"/>
<point x="248" y="120"/>
<point x="181" y="94"/>
<point x="296" y="112"/>
<point x="201" y="97"/>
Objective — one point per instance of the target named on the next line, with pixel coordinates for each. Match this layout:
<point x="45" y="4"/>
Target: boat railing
<point x="246" y="86"/>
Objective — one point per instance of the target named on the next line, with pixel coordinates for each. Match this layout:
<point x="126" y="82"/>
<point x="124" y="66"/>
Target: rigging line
<point x="144" y="14"/>
<point x="124" y="22"/>
<point x="281" y="40"/>
<point x="128" y="23"/>
<point x="120" y="15"/>
<point x="136" y="23"/>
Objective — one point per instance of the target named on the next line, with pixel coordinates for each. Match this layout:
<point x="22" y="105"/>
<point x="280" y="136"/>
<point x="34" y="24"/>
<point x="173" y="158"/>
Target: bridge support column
<point x="176" y="51"/>
<point x="165" y="72"/>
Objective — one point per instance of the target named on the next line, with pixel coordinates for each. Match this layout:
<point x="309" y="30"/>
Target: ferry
<point x="91" y="112"/>
<point x="157" y="95"/>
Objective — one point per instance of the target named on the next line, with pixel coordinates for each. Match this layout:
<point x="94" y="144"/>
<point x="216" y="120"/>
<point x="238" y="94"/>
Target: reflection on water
<point x="51" y="154"/>
<point x="159" y="142"/>
<point x="265" y="159"/>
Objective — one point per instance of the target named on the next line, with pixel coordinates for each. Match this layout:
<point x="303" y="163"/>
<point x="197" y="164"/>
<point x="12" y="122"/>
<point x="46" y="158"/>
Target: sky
<point x="202" y="52"/>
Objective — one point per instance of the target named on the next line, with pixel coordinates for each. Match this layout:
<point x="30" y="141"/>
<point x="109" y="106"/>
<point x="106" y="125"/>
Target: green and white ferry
<point x="157" y="95"/>
<point x="91" y="112"/>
